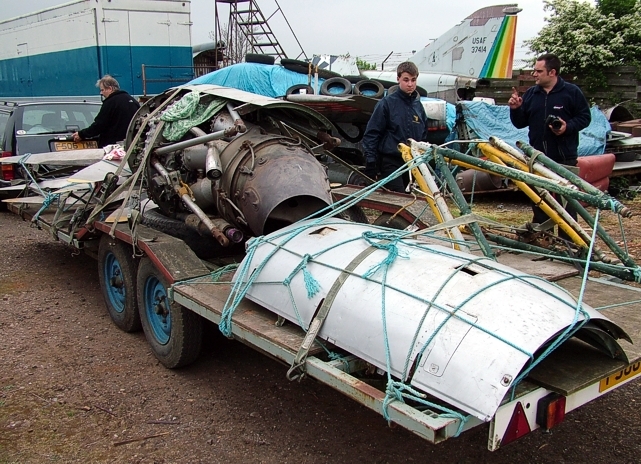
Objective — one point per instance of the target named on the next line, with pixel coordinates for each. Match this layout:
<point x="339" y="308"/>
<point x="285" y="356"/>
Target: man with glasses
<point x="557" y="137"/>
<point x="112" y="121"/>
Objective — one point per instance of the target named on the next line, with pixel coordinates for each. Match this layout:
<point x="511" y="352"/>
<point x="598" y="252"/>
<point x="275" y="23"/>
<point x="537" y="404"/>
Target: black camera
<point x="553" y="121"/>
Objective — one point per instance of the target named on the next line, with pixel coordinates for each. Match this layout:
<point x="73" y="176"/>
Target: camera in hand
<point x="553" y="121"/>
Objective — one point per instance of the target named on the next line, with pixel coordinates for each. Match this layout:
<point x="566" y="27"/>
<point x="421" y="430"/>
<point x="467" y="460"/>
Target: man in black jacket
<point x="112" y="121"/>
<point x="551" y="95"/>
<point x="396" y="118"/>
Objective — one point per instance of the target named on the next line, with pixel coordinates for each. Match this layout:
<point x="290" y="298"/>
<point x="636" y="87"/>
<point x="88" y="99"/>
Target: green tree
<point x="364" y="65"/>
<point x="588" y="41"/>
<point x="616" y="7"/>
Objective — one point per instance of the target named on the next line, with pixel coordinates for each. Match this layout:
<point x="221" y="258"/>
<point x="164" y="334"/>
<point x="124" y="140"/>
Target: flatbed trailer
<point x="562" y="383"/>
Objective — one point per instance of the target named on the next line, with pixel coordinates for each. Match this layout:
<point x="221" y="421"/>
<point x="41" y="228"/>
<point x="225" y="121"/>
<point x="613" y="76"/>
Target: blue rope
<point x="311" y="284"/>
<point x="247" y="274"/>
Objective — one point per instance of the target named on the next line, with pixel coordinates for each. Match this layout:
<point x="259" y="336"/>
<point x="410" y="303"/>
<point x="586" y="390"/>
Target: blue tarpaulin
<point x="273" y="81"/>
<point x="262" y="79"/>
<point x="486" y="120"/>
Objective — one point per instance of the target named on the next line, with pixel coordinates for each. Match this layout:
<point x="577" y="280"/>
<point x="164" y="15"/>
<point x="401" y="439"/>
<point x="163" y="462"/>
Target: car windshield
<point x="57" y="117"/>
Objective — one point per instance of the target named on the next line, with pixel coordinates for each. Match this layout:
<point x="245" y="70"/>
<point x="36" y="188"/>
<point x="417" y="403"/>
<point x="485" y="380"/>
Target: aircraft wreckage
<point x="430" y="309"/>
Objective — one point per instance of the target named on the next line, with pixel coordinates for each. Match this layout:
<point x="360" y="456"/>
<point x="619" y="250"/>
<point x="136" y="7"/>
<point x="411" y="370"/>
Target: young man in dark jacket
<point x="396" y="118"/>
<point x="551" y="95"/>
<point x="112" y="121"/>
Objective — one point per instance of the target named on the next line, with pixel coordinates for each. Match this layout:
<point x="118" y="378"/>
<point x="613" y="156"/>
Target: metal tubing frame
<point x="436" y="201"/>
<point x="601" y="200"/>
<point x="543" y="200"/>
<point x="461" y="202"/>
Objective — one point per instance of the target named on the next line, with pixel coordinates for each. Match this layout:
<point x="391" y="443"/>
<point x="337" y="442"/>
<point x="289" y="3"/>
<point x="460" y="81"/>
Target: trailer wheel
<point x="204" y="247"/>
<point x="336" y="87"/>
<point x="117" y="272"/>
<point x="174" y="333"/>
<point x="300" y="89"/>
<point x="385" y="220"/>
<point x="354" y="214"/>
<point x="259" y="58"/>
<point x="369" y="88"/>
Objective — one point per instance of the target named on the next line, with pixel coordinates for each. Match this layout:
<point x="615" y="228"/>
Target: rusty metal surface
<point x="273" y="180"/>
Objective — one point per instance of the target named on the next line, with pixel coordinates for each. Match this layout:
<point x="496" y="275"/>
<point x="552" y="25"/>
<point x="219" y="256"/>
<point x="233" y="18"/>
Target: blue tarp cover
<point x="262" y="79"/>
<point x="273" y="81"/>
<point x="486" y="120"/>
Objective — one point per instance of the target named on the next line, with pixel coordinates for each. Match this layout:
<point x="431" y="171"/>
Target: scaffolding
<point x="247" y="31"/>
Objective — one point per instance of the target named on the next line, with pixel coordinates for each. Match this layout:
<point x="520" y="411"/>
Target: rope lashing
<point x="311" y="284"/>
<point x="383" y="241"/>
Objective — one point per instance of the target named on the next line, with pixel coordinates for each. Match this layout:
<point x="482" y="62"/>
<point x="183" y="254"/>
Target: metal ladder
<point x="246" y="18"/>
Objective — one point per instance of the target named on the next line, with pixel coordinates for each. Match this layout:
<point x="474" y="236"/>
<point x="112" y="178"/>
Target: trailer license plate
<point x="64" y="146"/>
<point x="624" y="374"/>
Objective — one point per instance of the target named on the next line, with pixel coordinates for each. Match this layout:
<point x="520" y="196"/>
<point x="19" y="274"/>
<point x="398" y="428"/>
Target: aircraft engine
<point x="257" y="182"/>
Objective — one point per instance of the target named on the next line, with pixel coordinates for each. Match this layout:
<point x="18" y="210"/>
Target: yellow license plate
<point x="63" y="146"/>
<point x="624" y="374"/>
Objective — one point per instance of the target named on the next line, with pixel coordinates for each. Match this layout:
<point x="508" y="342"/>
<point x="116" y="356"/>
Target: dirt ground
<point x="74" y="388"/>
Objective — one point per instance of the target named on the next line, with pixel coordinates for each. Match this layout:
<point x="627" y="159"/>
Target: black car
<point x="40" y="127"/>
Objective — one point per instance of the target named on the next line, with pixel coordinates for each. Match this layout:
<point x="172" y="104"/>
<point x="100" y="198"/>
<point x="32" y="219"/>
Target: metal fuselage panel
<point x="476" y="323"/>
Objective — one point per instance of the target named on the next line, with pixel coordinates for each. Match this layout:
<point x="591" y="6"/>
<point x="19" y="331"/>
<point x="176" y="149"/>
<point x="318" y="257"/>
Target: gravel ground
<point x="74" y="388"/>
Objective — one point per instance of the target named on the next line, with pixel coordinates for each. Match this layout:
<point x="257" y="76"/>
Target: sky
<point x="368" y="29"/>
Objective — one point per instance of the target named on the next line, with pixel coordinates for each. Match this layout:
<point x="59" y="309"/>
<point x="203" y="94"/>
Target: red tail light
<point x="6" y="169"/>
<point x="550" y="411"/>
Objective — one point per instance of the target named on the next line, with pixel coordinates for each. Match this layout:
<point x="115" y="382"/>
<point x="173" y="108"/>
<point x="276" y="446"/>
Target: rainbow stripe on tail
<point x="499" y="62"/>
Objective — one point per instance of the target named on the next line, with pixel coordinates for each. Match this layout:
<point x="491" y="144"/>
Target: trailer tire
<point x="302" y="67"/>
<point x="174" y="333"/>
<point x="259" y="58"/>
<point x="204" y="247"/>
<point x="117" y="273"/>
<point x="385" y="220"/>
<point x="336" y="87"/>
<point x="392" y="89"/>
<point x="354" y="214"/>
<point x="369" y="88"/>
<point x="296" y="89"/>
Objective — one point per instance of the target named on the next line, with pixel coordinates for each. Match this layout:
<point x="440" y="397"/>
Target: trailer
<point x="86" y="39"/>
<point x="503" y="345"/>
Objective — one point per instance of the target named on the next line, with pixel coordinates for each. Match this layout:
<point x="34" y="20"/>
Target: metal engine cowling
<point x="272" y="181"/>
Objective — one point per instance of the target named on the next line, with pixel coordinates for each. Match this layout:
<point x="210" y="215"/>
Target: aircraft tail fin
<point x="481" y="46"/>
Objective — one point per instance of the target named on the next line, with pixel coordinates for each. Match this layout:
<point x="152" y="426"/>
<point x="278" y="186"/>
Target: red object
<point x="6" y="170"/>
<point x="550" y="411"/>
<point x="517" y="427"/>
<point x="596" y="167"/>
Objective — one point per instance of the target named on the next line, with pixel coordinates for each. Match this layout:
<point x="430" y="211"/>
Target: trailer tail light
<point x="6" y="169"/>
<point x="550" y="411"/>
<point x="517" y="427"/>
